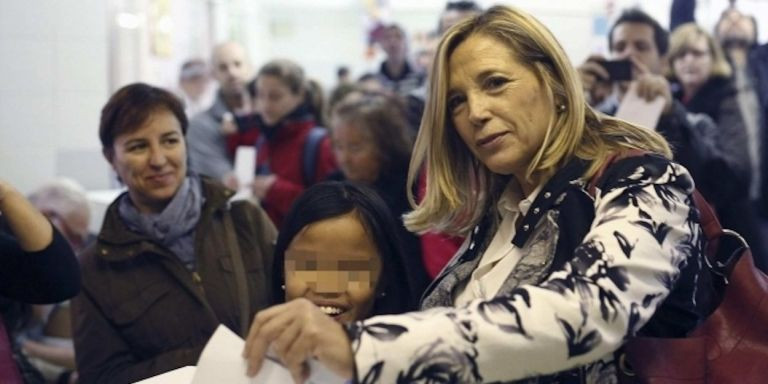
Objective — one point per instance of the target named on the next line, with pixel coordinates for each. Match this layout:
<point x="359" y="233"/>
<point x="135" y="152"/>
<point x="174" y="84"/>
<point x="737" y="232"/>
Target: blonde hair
<point x="460" y="189"/>
<point x="684" y="37"/>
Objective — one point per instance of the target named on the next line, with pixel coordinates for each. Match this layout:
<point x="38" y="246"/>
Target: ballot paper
<point x="638" y="111"/>
<point x="245" y="169"/>
<point x="177" y="376"/>
<point x="221" y="362"/>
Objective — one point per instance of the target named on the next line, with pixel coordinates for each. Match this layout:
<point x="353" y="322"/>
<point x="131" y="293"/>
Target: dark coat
<point x="141" y="312"/>
<point x="718" y="100"/>
<point x="758" y="65"/>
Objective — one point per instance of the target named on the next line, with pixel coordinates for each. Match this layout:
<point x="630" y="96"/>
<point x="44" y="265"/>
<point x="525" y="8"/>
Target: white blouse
<point x="501" y="256"/>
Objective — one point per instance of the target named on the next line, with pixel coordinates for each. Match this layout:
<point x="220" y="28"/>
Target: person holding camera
<point x="695" y="138"/>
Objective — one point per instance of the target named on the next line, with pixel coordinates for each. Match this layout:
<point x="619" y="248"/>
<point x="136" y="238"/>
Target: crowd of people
<point x="483" y="215"/>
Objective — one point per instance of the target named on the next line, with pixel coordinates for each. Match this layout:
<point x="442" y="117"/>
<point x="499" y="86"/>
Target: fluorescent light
<point x="128" y="20"/>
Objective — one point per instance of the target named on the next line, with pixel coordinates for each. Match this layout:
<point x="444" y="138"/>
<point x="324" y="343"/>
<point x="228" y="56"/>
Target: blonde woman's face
<point x="694" y="64"/>
<point x="497" y="105"/>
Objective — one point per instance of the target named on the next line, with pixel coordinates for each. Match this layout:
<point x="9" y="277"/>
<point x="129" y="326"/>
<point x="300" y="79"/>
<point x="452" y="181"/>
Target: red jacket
<point x="436" y="248"/>
<point x="282" y="152"/>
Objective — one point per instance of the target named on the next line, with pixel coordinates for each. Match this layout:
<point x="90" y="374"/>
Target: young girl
<point x="338" y="248"/>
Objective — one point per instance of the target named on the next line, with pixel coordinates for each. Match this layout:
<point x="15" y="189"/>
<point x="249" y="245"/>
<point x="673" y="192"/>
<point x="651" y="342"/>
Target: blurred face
<point x="738" y="27"/>
<point x="274" y="100"/>
<point x="230" y="68"/>
<point x="355" y="152"/>
<point x="151" y="161"/>
<point x="335" y="264"/>
<point x="497" y="105"/>
<point x="452" y="17"/>
<point x="195" y="86"/>
<point x="635" y="40"/>
<point x="693" y="64"/>
<point x="393" y="42"/>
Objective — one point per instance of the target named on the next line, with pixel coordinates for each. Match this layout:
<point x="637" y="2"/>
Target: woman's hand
<point x="262" y="184"/>
<point x="299" y="331"/>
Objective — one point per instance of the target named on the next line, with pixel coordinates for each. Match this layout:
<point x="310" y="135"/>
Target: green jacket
<point x="141" y="312"/>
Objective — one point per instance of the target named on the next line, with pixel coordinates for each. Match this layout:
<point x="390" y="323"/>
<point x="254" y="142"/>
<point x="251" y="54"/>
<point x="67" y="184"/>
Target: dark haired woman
<point x="340" y="249"/>
<point x="174" y="259"/>
<point x="293" y="151"/>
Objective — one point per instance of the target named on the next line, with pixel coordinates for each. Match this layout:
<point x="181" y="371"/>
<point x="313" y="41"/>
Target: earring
<point x="282" y="287"/>
<point x="561" y="108"/>
<point x="382" y="294"/>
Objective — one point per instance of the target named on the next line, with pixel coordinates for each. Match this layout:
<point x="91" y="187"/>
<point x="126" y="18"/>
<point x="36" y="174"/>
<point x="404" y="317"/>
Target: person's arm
<point x="733" y="138"/>
<point x="681" y="12"/>
<point x="38" y="265"/>
<point x="103" y="356"/>
<point x="207" y="148"/>
<point x="31" y="228"/>
<point x="56" y="355"/>
<point x="278" y="194"/>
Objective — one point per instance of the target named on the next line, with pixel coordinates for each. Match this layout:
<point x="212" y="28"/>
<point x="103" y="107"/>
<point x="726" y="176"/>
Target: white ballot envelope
<point x="177" y="376"/>
<point x="245" y="169"/>
<point x="221" y="362"/>
<point x="638" y="111"/>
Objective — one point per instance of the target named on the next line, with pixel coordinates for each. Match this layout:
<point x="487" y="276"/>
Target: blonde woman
<point x="702" y="80"/>
<point x="550" y="281"/>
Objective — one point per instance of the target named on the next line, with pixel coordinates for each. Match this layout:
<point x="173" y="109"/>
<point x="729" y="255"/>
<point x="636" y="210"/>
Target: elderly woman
<point x="372" y="146"/>
<point x="174" y="258"/>
<point x="552" y="279"/>
<point x="702" y="80"/>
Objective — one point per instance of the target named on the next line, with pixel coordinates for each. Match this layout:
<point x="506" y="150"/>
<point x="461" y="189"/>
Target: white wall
<point x="53" y="81"/>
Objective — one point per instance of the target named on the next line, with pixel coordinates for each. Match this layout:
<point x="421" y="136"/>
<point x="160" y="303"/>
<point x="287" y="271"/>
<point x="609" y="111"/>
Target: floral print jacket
<point x="595" y="271"/>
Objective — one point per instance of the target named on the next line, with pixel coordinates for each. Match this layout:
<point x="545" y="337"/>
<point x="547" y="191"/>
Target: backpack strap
<point x="309" y="154"/>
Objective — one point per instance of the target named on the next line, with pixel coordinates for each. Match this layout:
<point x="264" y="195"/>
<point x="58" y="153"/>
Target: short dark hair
<point x="383" y="117"/>
<point x="462" y="5"/>
<point x="131" y="106"/>
<point x="635" y="15"/>
<point x="331" y="199"/>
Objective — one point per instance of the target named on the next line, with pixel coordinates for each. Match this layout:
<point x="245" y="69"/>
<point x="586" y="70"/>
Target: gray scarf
<point x="174" y="227"/>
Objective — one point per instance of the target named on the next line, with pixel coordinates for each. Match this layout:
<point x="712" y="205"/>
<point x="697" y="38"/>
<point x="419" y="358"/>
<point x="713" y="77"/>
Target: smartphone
<point x="618" y="70"/>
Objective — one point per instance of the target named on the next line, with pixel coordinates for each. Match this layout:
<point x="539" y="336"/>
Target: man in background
<point x="195" y="87"/>
<point x="206" y="141"/>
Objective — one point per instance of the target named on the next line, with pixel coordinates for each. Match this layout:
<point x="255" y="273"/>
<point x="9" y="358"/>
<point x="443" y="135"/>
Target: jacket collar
<point x="115" y="234"/>
<point x="548" y="197"/>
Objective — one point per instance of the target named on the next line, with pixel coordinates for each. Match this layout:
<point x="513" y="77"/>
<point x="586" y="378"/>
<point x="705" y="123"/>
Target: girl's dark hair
<point x="131" y="106"/>
<point x="326" y="200"/>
